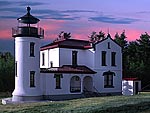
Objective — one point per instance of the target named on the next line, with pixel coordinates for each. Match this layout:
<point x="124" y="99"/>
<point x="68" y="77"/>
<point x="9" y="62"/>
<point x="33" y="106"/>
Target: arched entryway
<point x="88" y="83"/>
<point x="75" y="84"/>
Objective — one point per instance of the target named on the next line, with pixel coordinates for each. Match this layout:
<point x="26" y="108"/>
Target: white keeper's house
<point x="64" y="69"/>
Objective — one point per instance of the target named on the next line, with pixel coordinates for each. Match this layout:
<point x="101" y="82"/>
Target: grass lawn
<point x="112" y="104"/>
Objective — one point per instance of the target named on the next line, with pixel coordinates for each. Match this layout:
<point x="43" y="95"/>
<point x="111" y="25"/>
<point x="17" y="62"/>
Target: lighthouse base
<point x="17" y="98"/>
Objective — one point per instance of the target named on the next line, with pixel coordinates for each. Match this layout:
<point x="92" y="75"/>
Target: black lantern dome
<point x="26" y="26"/>
<point x="28" y="18"/>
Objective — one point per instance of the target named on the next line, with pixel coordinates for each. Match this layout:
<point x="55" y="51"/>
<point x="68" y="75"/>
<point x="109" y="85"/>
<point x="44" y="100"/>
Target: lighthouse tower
<point x="27" y="37"/>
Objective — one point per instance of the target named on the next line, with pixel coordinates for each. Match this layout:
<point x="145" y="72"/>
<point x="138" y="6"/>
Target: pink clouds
<point x="5" y="34"/>
<point x="133" y="34"/>
<point x="51" y="28"/>
<point x="82" y="31"/>
<point x="6" y="28"/>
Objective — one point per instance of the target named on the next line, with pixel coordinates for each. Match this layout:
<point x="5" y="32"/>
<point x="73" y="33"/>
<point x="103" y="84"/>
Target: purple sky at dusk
<point x="80" y="17"/>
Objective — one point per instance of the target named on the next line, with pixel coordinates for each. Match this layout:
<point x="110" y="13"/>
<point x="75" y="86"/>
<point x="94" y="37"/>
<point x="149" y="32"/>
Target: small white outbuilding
<point x="131" y="86"/>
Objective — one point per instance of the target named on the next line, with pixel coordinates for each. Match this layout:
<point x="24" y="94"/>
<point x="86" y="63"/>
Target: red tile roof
<point x="132" y="79"/>
<point x="69" y="69"/>
<point x="69" y="43"/>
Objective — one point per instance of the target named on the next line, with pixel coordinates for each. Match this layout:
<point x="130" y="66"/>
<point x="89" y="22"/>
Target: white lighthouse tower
<point x="27" y="55"/>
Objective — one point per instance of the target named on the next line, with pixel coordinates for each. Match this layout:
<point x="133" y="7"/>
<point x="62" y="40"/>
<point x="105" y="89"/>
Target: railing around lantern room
<point x="28" y="31"/>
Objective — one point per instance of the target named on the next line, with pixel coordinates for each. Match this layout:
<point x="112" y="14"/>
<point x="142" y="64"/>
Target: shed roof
<point x="131" y="79"/>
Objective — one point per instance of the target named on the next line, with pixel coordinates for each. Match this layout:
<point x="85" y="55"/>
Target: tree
<point x="94" y="37"/>
<point x="67" y="35"/>
<point x="63" y="36"/>
<point x="121" y="40"/>
<point x="138" y="59"/>
<point x="144" y="56"/>
<point x="6" y="72"/>
<point x="144" y="47"/>
<point x="100" y="35"/>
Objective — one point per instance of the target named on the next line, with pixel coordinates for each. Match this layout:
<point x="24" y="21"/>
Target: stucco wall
<point x="99" y="78"/>
<point x="84" y="57"/>
<point x="90" y="58"/>
<point x="49" y="84"/>
<point x="25" y="64"/>
<point x="103" y="46"/>
<point x="99" y="82"/>
<point x="51" y="55"/>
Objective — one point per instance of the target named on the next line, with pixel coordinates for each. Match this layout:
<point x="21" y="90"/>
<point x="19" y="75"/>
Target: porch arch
<point x="88" y="83"/>
<point x="75" y="84"/>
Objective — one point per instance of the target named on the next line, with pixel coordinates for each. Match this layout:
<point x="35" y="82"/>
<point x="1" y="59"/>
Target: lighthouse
<point x="27" y="36"/>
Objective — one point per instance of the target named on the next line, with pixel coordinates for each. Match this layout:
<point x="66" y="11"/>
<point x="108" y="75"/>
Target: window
<point x="108" y="45"/>
<point x="16" y="68"/>
<point x="43" y="59"/>
<point x="74" y="58"/>
<point x="103" y="58"/>
<point x="32" y="44"/>
<point x="32" y="78"/>
<point x="113" y="58"/>
<point x="75" y="84"/>
<point x="108" y="79"/>
<point x="58" y="80"/>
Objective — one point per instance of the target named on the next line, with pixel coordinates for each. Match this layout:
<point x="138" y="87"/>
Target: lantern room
<point x="28" y="26"/>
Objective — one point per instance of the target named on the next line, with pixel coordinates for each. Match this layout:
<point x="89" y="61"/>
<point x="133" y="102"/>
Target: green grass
<point x="112" y="104"/>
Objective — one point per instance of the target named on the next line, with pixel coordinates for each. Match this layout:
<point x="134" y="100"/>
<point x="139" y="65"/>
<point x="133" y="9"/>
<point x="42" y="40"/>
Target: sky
<point x="79" y="17"/>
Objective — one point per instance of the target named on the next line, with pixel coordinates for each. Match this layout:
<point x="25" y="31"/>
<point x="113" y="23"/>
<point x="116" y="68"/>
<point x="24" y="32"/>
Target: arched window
<point x="108" y="79"/>
<point x="75" y="84"/>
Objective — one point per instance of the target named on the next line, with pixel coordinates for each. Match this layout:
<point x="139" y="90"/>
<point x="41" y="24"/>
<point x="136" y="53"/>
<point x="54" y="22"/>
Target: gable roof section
<point x="81" y="69"/>
<point x="68" y="43"/>
<point x="108" y="37"/>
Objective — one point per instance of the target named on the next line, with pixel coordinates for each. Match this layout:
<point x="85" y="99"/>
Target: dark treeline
<point x="6" y="72"/>
<point x="136" y="59"/>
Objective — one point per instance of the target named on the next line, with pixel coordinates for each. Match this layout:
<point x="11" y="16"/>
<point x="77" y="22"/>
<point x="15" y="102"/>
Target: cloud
<point x="8" y="17"/>
<point x="64" y="18"/>
<point x="78" y="11"/>
<point x="143" y="12"/>
<point x="20" y="3"/>
<point x="3" y="3"/>
<point x="10" y="11"/>
<point x="24" y="3"/>
<point x="5" y="34"/>
<point x="108" y="19"/>
<point x="41" y="13"/>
